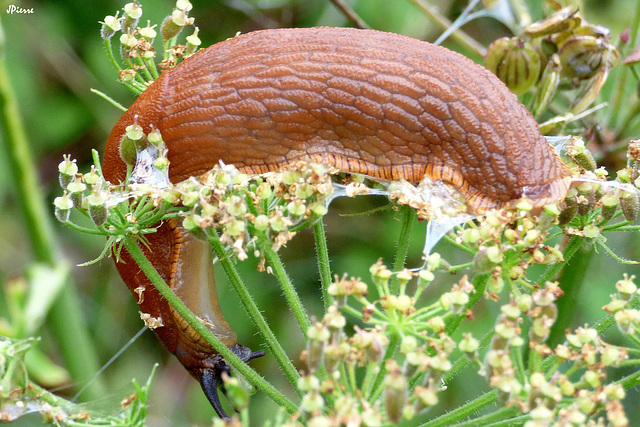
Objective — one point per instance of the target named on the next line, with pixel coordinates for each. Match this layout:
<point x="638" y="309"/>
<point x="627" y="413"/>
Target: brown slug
<point x="368" y="102"/>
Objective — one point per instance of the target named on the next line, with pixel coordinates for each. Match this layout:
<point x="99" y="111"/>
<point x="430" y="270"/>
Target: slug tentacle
<point x="362" y="101"/>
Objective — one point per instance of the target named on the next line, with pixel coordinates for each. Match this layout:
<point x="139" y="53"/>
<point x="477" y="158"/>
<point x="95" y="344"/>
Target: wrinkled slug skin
<point x="363" y="101"/>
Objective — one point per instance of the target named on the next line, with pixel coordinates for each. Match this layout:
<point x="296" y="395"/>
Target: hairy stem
<point x="254" y="312"/>
<point x="131" y="245"/>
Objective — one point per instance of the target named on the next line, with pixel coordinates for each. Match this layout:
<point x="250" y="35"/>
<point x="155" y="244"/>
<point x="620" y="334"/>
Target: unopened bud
<point x="173" y="24"/>
<point x="395" y="392"/>
<point x="570" y="207"/>
<point x="184" y="5"/>
<point x="132" y="141"/>
<point x="68" y="170"/>
<point x="609" y="206"/>
<point x="317" y="335"/>
<point x="97" y="208"/>
<point x="193" y="42"/>
<point x="587" y="197"/>
<point x="582" y="156"/>
<point x="486" y="259"/>
<point x="132" y="14"/>
<point x="110" y="26"/>
<point x="148" y="32"/>
<point x="629" y="203"/>
<point x="127" y="42"/>
<point x="75" y="189"/>
<point x="63" y="205"/>
<point x="515" y="62"/>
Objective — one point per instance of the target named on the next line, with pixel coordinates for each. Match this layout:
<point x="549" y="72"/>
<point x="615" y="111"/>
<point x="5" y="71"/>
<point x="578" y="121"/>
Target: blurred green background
<point x="55" y="56"/>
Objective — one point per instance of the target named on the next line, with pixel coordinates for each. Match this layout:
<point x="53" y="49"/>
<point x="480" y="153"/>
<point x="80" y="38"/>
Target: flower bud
<point x="184" y="5"/>
<point x="395" y="392"/>
<point x="132" y="14"/>
<point x="63" y="207"/>
<point x="132" y="141"/>
<point x="609" y="206"/>
<point x="68" y="170"/>
<point x="75" y="189"/>
<point x="173" y="24"/>
<point x="97" y="208"/>
<point x="626" y="288"/>
<point x="587" y="197"/>
<point x="92" y="178"/>
<point x="317" y="335"/>
<point x="193" y="42"/>
<point x="629" y="203"/>
<point x="110" y="26"/>
<point x="148" y="32"/>
<point x="127" y="43"/>
<point x="580" y="154"/>
<point x="469" y="345"/>
<point x="570" y="207"/>
<point x="515" y="62"/>
<point x="486" y="259"/>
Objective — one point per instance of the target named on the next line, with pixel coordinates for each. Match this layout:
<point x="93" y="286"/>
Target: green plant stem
<point x="499" y="415"/>
<point x="66" y="318"/>
<point x="324" y="266"/>
<point x="571" y="282"/>
<point x="408" y="219"/>
<point x="289" y="290"/>
<point x="131" y="245"/>
<point x="464" y="411"/>
<point x="256" y="316"/>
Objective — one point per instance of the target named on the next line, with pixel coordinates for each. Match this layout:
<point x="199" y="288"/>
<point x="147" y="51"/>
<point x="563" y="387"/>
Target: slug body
<point x="363" y="101"/>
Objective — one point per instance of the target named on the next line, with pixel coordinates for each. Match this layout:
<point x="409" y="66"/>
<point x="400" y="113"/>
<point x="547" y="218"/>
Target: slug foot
<point x="211" y="378"/>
